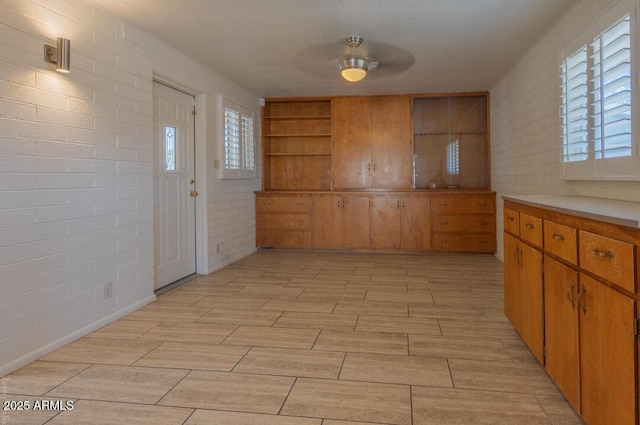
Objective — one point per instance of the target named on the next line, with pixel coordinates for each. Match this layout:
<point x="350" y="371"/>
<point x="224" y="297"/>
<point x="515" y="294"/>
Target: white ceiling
<point x="289" y="47"/>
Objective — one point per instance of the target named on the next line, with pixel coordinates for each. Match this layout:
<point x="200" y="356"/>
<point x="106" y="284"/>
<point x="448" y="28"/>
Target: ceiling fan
<point x="358" y="57"/>
<point x="353" y="67"/>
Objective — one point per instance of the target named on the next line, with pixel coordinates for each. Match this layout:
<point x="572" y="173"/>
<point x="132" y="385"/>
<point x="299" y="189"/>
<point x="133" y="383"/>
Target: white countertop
<point x="624" y="213"/>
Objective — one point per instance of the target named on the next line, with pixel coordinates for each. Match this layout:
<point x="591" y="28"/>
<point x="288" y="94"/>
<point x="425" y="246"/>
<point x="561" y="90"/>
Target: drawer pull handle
<point x="529" y="226"/>
<point x="581" y="295"/>
<point x="557" y="237"/>
<point x="511" y="219"/>
<point x="599" y="253"/>
<point x="570" y="295"/>
<point x="444" y="205"/>
<point x="444" y="223"/>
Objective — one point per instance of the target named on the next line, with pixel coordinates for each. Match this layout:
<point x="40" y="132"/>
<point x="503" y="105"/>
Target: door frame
<point x="200" y="164"/>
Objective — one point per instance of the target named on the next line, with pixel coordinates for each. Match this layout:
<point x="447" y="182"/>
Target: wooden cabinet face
<point x="531" y="229"/>
<point x="608" y="258"/>
<point x="391" y="155"/>
<point x="561" y="328"/>
<point x="341" y="222"/>
<point x="511" y="279"/>
<point x="386" y="232"/>
<point x="416" y="229"/>
<point x="351" y="158"/>
<point x="531" y="300"/>
<point x="511" y="221"/>
<point x="607" y="356"/>
<point x="561" y="240"/>
<point x="372" y="143"/>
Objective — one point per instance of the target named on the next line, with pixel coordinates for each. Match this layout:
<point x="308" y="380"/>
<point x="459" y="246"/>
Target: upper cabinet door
<point x="351" y="129"/>
<point x="391" y="142"/>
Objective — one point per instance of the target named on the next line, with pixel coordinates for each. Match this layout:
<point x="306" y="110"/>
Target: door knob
<point x="193" y="193"/>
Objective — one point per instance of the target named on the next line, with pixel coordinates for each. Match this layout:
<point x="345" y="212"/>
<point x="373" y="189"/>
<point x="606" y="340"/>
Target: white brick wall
<point x="525" y="121"/>
<point x="76" y="173"/>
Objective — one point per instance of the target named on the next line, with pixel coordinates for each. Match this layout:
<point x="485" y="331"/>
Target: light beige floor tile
<point x="335" y="422"/>
<point x="336" y="322"/>
<point x="194" y="356"/>
<point x="276" y="293"/>
<point x="514" y="377"/>
<point x="443" y="311"/>
<point x="302" y="306"/>
<point x="203" y="333"/>
<point x="34" y="414"/>
<point x="438" y="406"/>
<point x="558" y="410"/>
<point x="203" y="289"/>
<point x="165" y="312"/>
<point x="362" y="342"/>
<point x="109" y="413"/>
<point x="457" y="347"/>
<point x="120" y="383"/>
<point x="273" y="337"/>
<point x="496" y="314"/>
<point x="180" y="298"/>
<point x="372" y="308"/>
<point x="410" y="325"/>
<point x="102" y="351"/>
<point x="518" y="350"/>
<point x="39" y="377"/>
<point x="335" y="284"/>
<point x="213" y="417"/>
<point x="260" y="281"/>
<point x="123" y="329"/>
<point x="332" y="295"/>
<point x="354" y="401"/>
<point x="367" y="285"/>
<point x="236" y="316"/>
<point x="479" y="329"/>
<point x="467" y="300"/>
<point x="230" y="391"/>
<point x="287" y="362"/>
<point x="243" y="303"/>
<point x="399" y="297"/>
<point x="409" y="370"/>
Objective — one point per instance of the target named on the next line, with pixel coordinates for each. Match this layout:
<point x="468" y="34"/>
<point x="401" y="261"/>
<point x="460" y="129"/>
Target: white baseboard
<point x="42" y="351"/>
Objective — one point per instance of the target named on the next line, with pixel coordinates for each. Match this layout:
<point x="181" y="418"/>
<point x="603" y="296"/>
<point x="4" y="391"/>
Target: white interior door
<point x="174" y="189"/>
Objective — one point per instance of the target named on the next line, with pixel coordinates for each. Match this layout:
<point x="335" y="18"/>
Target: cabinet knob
<point x="444" y="223"/>
<point x="444" y="205"/>
<point x="529" y="226"/>
<point x="511" y="219"/>
<point x="193" y="193"/>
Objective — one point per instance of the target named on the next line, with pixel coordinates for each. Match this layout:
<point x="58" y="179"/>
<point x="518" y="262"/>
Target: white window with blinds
<point x="239" y="141"/>
<point x="599" y="99"/>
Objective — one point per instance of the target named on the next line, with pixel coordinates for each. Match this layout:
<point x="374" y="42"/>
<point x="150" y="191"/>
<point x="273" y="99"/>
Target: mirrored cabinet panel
<point x="451" y="146"/>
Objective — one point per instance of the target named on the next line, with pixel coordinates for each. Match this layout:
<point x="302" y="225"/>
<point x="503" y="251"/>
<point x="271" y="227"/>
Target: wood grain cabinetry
<point x="283" y="221"/>
<point x="341" y="221"/>
<point x="463" y="223"/>
<point x="353" y="160"/>
<point x="400" y="222"/>
<point x="297" y="144"/>
<point x="372" y="142"/>
<point x="590" y="332"/>
<point x="451" y="141"/>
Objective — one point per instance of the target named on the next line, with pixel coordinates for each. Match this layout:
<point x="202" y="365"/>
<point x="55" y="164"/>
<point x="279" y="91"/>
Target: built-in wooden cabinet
<point x="296" y="147"/>
<point x="451" y="141"/>
<point x="589" y="305"/>
<point x="353" y="158"/>
<point x="372" y="142"/>
<point x="341" y="222"/>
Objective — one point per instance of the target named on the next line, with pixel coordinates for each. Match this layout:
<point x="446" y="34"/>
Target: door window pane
<point x="170" y="148"/>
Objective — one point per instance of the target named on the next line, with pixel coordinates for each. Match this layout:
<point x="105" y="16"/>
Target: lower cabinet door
<point x="607" y="354"/>
<point x="561" y="328"/>
<point x="531" y="300"/>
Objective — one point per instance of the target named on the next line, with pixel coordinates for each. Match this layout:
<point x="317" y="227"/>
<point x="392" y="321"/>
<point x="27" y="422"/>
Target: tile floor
<point x="285" y="338"/>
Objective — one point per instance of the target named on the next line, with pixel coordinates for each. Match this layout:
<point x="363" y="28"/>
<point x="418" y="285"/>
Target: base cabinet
<point x="390" y="221"/>
<point x="590" y="330"/>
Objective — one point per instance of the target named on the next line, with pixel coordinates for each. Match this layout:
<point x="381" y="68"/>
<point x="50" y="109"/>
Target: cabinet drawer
<point x="283" y="239"/>
<point x="531" y="229"/>
<point x="284" y="221"/>
<point x="452" y="242"/>
<point x="561" y="241"/>
<point x="608" y="258"/>
<point x="463" y="205"/>
<point x="283" y="203"/>
<point x="512" y="221"/>
<point x="463" y="223"/>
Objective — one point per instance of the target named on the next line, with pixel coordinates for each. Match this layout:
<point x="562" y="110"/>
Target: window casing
<point x="599" y="99"/>
<point x="238" y="140"/>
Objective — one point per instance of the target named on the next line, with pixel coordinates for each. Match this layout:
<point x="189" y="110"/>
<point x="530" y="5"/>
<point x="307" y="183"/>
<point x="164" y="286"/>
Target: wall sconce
<point x="59" y="54"/>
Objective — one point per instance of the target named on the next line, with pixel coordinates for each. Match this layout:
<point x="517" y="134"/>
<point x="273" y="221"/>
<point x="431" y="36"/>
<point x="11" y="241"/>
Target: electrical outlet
<point x="108" y="290"/>
<point x="218" y="248"/>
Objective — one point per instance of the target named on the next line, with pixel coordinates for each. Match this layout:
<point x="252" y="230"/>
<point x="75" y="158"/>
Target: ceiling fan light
<point x="353" y="69"/>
